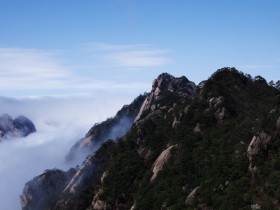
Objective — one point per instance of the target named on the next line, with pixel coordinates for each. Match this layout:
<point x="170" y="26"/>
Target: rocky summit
<point x="21" y="126"/>
<point x="215" y="145"/>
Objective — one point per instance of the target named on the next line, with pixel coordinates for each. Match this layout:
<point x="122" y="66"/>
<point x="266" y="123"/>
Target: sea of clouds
<point x="60" y="122"/>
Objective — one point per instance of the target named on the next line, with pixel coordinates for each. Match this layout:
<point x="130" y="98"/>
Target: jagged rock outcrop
<point x="258" y="143"/>
<point x="218" y="104"/>
<point x="166" y="83"/>
<point x="190" y="198"/>
<point x="97" y="203"/>
<point x="21" y="126"/>
<point x="161" y="161"/>
<point x="112" y="128"/>
<point x="60" y="190"/>
<point x="40" y="192"/>
<point x="221" y="114"/>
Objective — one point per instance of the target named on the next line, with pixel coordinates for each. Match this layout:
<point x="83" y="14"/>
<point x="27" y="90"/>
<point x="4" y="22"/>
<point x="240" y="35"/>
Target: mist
<point x="60" y="122"/>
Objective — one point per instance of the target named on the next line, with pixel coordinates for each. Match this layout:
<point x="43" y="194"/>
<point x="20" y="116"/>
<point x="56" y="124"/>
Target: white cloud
<point x="29" y="68"/>
<point x="26" y="70"/>
<point x="130" y="56"/>
<point x="20" y="61"/>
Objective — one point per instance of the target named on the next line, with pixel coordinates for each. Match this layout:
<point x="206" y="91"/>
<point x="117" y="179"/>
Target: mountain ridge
<point x="211" y="146"/>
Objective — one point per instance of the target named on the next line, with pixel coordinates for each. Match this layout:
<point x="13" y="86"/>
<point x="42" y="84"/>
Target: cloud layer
<point x="60" y="122"/>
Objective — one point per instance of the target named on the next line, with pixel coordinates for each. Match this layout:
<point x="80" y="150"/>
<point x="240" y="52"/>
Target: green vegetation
<point x="215" y="159"/>
<point x="229" y="110"/>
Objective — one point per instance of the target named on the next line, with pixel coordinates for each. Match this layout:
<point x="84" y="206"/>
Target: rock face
<point x="161" y="161"/>
<point x="57" y="189"/>
<point x="166" y="83"/>
<point x="84" y="173"/>
<point x="18" y="127"/>
<point x="258" y="142"/>
<point x="221" y="112"/>
<point x="97" y="203"/>
<point x="216" y="102"/>
<point x="112" y="128"/>
<point x="192" y="196"/>
<point x="40" y="192"/>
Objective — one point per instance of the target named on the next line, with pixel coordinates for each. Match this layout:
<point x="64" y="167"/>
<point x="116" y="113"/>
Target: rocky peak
<point x="24" y="125"/>
<point x="21" y="126"/>
<point x="165" y="83"/>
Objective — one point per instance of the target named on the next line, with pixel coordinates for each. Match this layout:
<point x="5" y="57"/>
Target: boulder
<point x="161" y="161"/>
<point x="258" y="142"/>
<point x="192" y="196"/>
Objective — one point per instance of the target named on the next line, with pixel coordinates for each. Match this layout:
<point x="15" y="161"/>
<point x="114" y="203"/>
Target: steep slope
<point x="112" y="128"/>
<point x="85" y="182"/>
<point x="215" y="146"/>
<point x="56" y="189"/>
<point x="64" y="193"/>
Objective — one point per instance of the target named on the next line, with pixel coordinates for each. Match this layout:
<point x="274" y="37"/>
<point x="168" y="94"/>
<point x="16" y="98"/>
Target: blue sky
<point x="59" y="47"/>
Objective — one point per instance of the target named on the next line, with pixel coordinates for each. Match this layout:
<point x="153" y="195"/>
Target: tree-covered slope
<point x="212" y="146"/>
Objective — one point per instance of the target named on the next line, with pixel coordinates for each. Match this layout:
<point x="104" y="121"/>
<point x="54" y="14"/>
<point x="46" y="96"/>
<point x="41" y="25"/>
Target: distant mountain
<point x="211" y="146"/>
<point x="21" y="126"/>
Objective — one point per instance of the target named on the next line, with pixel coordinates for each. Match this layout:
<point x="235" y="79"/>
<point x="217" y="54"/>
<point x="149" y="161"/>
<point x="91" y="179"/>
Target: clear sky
<point x="62" y="47"/>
